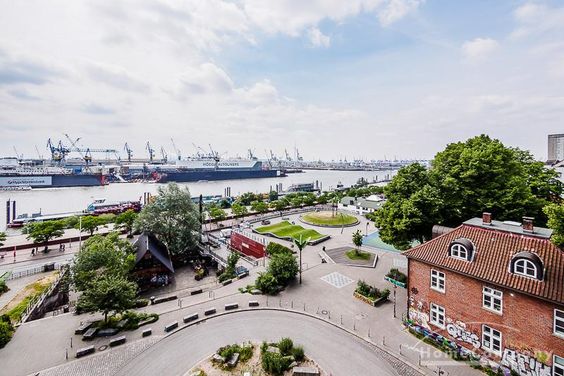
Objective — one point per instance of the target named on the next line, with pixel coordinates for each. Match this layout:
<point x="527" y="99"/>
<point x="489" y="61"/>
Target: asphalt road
<point x="336" y="351"/>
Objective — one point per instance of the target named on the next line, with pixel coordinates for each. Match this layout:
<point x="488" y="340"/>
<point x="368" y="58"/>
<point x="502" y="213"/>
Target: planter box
<point x="370" y="301"/>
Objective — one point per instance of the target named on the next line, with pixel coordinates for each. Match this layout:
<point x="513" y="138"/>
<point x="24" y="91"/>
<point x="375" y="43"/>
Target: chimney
<point x="486" y="218"/>
<point x="528" y="224"/>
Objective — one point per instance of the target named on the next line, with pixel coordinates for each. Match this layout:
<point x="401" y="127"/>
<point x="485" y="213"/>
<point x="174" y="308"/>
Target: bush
<point x="267" y="283"/>
<point x="284" y="267"/>
<point x="275" y="363"/>
<point x="6" y="330"/>
<point x="141" y="303"/>
<point x="274" y="248"/>
<point x="245" y="351"/>
<point x="371" y="292"/>
<point x="298" y="353"/>
<point x="3" y="286"/>
<point x="285" y="345"/>
<point x="397" y="275"/>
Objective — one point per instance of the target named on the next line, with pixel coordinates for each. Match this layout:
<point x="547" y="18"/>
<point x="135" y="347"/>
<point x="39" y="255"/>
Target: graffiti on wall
<point x="458" y="331"/>
<point x="524" y="364"/>
<point x="418" y="313"/>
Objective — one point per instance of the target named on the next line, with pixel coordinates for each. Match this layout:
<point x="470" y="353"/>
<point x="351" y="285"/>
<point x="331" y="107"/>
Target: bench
<point x="163" y="299"/>
<point x="253" y="303"/>
<point x="146" y="332"/>
<point x="195" y="292"/>
<point x="85" y="351"/>
<point x="231" y="306"/>
<point x="233" y="361"/>
<point x="225" y="283"/>
<point x="210" y="311"/>
<point x="305" y="371"/>
<point x="117" y="341"/>
<point x="108" y="332"/>
<point x="173" y="325"/>
<point x="90" y="334"/>
<point x="190" y="318"/>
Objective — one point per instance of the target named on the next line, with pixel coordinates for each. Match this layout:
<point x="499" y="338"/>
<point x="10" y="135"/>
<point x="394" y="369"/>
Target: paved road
<point x="336" y="351"/>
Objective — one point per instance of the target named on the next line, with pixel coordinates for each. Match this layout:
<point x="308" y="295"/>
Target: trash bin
<point x="66" y="308"/>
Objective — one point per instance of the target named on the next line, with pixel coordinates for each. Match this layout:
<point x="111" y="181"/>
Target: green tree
<point x="248" y="197"/>
<point x="102" y="255"/>
<point x="90" y="224"/>
<point x="2" y="238"/>
<point x="357" y="240"/>
<point x="42" y="232"/>
<point x="266" y="283"/>
<point x="259" y="206"/>
<point x="555" y="214"/>
<point x="217" y="213"/>
<point x="108" y="293"/>
<point x="239" y="209"/>
<point x="272" y="196"/>
<point x="301" y="243"/>
<point x="278" y="205"/>
<point x="126" y="220"/>
<point x="465" y="179"/>
<point x="229" y="271"/>
<point x="6" y="330"/>
<point x="283" y="266"/>
<point x="173" y="218"/>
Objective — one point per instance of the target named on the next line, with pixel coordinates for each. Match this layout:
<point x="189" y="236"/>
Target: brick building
<point x="494" y="290"/>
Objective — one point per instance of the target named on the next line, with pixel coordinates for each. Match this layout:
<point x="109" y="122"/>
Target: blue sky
<point x="361" y="78"/>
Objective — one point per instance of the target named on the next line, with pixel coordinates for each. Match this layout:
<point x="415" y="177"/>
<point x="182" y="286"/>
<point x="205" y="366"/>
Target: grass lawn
<point x="328" y="219"/>
<point x="286" y="229"/>
<point x="360" y="255"/>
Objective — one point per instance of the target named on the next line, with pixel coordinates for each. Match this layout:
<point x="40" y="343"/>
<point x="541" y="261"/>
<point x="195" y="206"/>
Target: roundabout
<point x="335" y="350"/>
<point x="329" y="219"/>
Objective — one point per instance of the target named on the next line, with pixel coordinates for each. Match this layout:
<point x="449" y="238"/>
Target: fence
<point x="36" y="269"/>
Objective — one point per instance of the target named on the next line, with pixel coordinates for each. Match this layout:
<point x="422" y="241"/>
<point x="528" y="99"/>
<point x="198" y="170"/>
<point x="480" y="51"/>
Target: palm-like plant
<point x="301" y="243"/>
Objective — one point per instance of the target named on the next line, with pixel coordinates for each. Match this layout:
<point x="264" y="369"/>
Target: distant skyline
<point x="356" y="78"/>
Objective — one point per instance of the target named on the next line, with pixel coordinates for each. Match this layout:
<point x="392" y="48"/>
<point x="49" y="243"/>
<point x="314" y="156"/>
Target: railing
<point x="36" y="301"/>
<point x="37" y="269"/>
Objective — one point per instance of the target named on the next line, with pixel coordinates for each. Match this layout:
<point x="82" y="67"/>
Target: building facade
<point x="495" y="290"/>
<point x="556" y="147"/>
<point x="361" y="205"/>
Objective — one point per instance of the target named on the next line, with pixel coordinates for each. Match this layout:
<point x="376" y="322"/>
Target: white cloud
<point x="534" y="19"/>
<point x="317" y="38"/>
<point x="479" y="48"/>
<point x="395" y="10"/>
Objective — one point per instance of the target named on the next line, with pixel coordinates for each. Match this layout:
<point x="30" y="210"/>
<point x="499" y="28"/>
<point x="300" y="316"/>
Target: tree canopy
<point x="42" y="232"/>
<point x="239" y="209"/>
<point x="555" y="214"/>
<point x="464" y="180"/>
<point x="108" y="293"/>
<point x="2" y="238"/>
<point x="173" y="218"/>
<point x="90" y="224"/>
<point x="126" y="220"/>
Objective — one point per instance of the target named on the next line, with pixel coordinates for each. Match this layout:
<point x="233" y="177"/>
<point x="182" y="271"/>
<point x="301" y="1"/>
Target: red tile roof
<point x="493" y="252"/>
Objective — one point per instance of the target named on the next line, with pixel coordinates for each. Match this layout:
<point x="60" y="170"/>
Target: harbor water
<point x="60" y="200"/>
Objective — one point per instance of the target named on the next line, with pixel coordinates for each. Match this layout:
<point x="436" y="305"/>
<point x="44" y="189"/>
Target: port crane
<point x="176" y="150"/>
<point x="288" y="158"/>
<point x="58" y="152"/>
<point x="128" y="151"/>
<point x="151" y="151"/>
<point x="164" y="154"/>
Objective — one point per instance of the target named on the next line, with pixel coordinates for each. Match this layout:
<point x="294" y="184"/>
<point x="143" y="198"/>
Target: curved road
<point x="336" y="351"/>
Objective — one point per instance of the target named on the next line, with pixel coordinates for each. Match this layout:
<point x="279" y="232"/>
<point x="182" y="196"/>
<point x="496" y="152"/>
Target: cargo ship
<point x="202" y="169"/>
<point x="17" y="175"/>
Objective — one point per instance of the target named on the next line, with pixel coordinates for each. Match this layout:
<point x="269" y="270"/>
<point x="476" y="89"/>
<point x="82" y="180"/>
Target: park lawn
<point x="327" y="218"/>
<point x="286" y="229"/>
<point x="19" y="303"/>
<point x="360" y="255"/>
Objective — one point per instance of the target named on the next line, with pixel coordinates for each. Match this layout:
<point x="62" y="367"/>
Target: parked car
<point x="265" y="222"/>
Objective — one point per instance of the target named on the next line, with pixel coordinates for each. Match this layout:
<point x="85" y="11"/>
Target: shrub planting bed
<point x="370" y="294"/>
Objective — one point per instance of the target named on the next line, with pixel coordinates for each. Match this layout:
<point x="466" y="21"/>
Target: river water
<point x="60" y="200"/>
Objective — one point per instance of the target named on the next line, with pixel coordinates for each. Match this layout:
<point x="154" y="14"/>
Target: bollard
<point x="368" y="332"/>
<point x="279" y="302"/>
<point x="71" y="342"/>
<point x="384" y="340"/>
<point x="67" y="354"/>
<point x="329" y="315"/>
<point x="354" y="324"/>
<point x="304" y="307"/>
<point x="400" y="350"/>
<point x="341" y="319"/>
<point x="419" y="356"/>
<point x="267" y="301"/>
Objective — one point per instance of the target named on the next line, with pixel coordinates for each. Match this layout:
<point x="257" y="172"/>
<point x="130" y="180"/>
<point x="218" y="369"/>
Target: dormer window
<point x="526" y="268"/>
<point x="461" y="249"/>
<point x="527" y="264"/>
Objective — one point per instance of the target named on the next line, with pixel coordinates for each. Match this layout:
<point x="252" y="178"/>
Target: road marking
<point x="337" y="280"/>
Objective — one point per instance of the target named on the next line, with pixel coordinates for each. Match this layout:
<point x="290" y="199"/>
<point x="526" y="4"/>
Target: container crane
<point x="176" y="150"/>
<point x="164" y="154"/>
<point x="128" y="151"/>
<point x="151" y="151"/>
<point x="288" y="158"/>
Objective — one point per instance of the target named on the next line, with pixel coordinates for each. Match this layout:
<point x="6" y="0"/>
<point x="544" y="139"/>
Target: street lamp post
<point x="79" y="232"/>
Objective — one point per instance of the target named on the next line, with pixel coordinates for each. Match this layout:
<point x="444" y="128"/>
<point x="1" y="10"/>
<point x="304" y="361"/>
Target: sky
<point x="337" y="79"/>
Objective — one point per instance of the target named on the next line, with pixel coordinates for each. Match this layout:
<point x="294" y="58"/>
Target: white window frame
<point x="557" y="365"/>
<point x="436" y="278"/>
<point x="492" y="295"/>
<point x="456" y="251"/>
<point x="439" y="312"/>
<point x="527" y="266"/>
<point x="558" y="317"/>
<point x="490" y="333"/>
